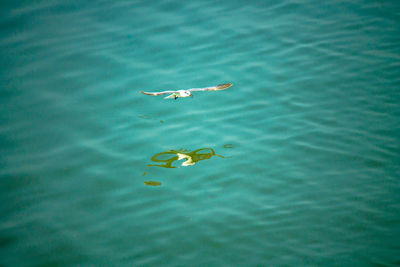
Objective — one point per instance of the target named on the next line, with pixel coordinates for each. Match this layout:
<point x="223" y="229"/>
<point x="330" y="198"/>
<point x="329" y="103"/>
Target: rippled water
<point x="297" y="164"/>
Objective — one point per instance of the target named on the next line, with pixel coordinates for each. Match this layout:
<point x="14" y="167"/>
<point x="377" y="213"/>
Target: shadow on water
<point x="190" y="157"/>
<point x="152" y="183"/>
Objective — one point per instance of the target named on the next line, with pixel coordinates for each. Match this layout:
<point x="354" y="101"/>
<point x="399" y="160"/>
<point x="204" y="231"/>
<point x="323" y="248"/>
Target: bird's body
<point x="180" y="93"/>
<point x="186" y="93"/>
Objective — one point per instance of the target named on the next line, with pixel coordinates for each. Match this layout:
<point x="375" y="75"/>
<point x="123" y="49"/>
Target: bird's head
<point x="186" y="93"/>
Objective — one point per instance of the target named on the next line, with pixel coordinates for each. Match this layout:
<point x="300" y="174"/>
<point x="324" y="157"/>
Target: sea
<point x="296" y="164"/>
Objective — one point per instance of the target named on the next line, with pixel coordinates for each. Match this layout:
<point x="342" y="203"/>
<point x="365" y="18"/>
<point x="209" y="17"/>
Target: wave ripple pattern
<point x="296" y="164"/>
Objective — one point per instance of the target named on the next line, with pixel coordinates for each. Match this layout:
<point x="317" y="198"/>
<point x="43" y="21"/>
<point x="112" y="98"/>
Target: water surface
<point x="308" y="136"/>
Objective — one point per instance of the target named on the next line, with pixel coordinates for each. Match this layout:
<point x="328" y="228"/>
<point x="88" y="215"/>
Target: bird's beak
<point x="191" y="95"/>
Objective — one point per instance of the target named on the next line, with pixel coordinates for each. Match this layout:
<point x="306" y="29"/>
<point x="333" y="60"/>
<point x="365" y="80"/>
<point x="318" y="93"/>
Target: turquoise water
<point x="297" y="164"/>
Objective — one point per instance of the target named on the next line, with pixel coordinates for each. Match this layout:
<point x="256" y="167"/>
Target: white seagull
<point x="186" y="93"/>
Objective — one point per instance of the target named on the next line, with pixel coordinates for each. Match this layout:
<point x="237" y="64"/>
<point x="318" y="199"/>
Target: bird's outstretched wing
<point x="157" y="93"/>
<point x="212" y="88"/>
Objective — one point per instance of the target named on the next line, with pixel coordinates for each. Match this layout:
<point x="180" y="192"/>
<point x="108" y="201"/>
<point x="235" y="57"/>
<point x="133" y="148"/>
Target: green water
<point x="297" y="164"/>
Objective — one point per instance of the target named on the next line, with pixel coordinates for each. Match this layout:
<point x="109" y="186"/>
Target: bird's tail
<point x="170" y="96"/>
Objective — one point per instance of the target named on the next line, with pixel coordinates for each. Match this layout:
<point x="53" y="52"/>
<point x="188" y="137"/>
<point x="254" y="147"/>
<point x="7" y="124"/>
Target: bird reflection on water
<point x="191" y="157"/>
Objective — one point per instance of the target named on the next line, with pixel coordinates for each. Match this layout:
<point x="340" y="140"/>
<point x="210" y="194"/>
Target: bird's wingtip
<point x="224" y="86"/>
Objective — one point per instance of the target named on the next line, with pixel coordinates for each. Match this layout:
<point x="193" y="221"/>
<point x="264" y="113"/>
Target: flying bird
<point x="186" y="93"/>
